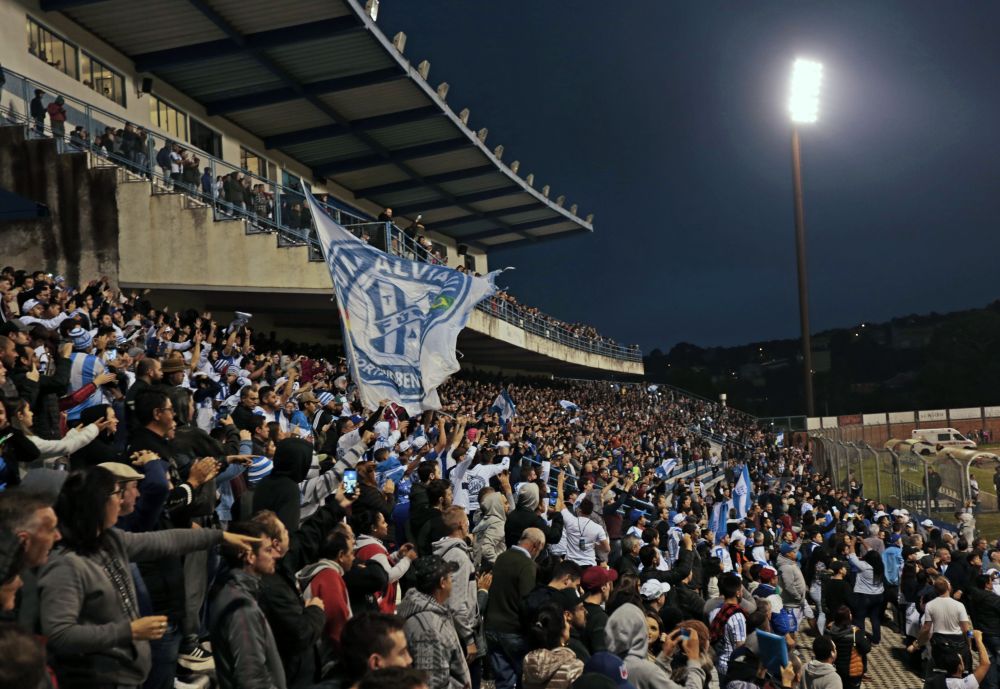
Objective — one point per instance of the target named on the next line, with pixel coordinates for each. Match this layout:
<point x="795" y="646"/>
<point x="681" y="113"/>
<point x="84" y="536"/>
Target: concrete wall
<point x="13" y="38"/>
<point x="79" y="239"/>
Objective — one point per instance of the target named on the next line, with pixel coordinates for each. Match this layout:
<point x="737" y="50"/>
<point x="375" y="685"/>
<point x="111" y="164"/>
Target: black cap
<point x="568" y="598"/>
<point x="430" y="568"/>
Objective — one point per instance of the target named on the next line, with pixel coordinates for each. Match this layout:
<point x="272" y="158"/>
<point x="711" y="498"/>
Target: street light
<point x="803" y="107"/>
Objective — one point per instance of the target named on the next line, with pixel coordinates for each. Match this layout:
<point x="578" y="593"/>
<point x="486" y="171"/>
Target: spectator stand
<point x="268" y="207"/>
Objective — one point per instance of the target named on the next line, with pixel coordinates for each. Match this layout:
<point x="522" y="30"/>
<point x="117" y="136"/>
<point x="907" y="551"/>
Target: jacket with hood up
<point x="434" y="645"/>
<point x="820" y="675"/>
<point x="489" y="529"/>
<point x="279" y="491"/>
<point x="628" y="638"/>
<point x="551" y="668"/>
<point x="463" y="601"/>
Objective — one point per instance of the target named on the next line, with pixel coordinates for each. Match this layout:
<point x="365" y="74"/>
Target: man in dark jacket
<point x="38" y="112"/>
<point x="528" y="514"/>
<point x="629" y="562"/>
<point x="984" y="609"/>
<point x="246" y="653"/>
<point x="649" y="556"/>
<point x="297" y="626"/>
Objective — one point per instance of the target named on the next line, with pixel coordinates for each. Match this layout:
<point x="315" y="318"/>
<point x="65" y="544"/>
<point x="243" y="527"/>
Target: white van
<point x="945" y="437"/>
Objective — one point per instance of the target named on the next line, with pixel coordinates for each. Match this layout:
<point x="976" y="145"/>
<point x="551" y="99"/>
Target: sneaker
<point x="198" y="659"/>
<point x="192" y="682"/>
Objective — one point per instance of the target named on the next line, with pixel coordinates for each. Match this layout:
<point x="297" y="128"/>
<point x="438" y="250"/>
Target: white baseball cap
<point x="927" y="522"/>
<point x="653" y="589"/>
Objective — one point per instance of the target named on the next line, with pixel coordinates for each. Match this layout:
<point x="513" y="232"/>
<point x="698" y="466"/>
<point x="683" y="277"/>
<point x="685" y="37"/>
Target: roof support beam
<point x="263" y="40"/>
<point x="60" y="5"/>
<point x="224" y="106"/>
<point x="535" y="240"/>
<point x="303" y="136"/>
<point x="360" y="163"/>
<point x="409" y="184"/>
<point x="497" y="231"/>
<point x="424" y="206"/>
<point x="490" y="215"/>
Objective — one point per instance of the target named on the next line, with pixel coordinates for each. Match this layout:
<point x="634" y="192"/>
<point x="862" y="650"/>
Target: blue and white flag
<point x="567" y="405"/>
<point x="664" y="469"/>
<point x="743" y="493"/>
<point x="504" y="406"/>
<point x="717" y="519"/>
<point x="779" y="438"/>
<point x="400" y="318"/>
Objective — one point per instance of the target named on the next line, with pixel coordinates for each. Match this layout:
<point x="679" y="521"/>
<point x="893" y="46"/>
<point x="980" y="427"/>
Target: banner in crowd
<point x="717" y="519"/>
<point x="743" y="493"/>
<point x="400" y="318"/>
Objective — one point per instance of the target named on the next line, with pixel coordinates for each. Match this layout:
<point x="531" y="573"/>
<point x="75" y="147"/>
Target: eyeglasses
<point x="169" y="409"/>
<point x="120" y="492"/>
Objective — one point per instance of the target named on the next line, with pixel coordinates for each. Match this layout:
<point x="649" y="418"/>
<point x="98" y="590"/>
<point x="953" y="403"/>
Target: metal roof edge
<point x="431" y="93"/>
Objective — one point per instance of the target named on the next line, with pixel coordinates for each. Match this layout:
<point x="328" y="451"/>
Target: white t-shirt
<point x="477" y="478"/>
<point x="175" y="162"/>
<point x="581" y="531"/>
<point x="945" y="616"/>
<point x="967" y="682"/>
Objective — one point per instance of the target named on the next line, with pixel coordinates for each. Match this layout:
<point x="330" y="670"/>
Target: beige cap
<point x="122" y="472"/>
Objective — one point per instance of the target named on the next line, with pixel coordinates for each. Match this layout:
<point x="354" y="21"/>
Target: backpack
<point x="857" y="666"/>
<point x="163" y="157"/>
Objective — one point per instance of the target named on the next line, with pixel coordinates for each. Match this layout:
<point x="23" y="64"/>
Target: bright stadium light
<point x="803" y="101"/>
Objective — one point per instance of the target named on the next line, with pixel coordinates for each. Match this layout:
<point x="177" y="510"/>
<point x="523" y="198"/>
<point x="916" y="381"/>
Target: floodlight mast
<point x="803" y="108"/>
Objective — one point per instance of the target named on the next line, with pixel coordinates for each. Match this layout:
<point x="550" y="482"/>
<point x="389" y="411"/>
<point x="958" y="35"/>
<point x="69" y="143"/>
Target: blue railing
<point x="263" y="204"/>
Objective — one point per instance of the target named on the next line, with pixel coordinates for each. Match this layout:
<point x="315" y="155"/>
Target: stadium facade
<point x="283" y="97"/>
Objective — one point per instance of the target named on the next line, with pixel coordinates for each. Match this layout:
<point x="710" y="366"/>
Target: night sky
<point x="668" y="121"/>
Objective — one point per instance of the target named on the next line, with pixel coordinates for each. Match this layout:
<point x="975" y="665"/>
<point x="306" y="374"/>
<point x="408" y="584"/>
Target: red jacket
<point x="329" y="585"/>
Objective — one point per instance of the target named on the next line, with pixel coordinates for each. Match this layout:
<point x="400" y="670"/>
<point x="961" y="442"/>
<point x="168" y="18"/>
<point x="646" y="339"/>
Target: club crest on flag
<point x="400" y="318"/>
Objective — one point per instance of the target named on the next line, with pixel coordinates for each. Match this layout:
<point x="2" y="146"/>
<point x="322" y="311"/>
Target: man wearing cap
<point x="793" y="583"/>
<point x="892" y="563"/>
<point x="84" y="368"/>
<point x="430" y="632"/>
<point x="654" y="594"/>
<point x="596" y="583"/>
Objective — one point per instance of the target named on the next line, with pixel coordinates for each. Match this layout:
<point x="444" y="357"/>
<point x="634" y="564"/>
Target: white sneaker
<point x="196" y="683"/>
<point x="198" y="659"/>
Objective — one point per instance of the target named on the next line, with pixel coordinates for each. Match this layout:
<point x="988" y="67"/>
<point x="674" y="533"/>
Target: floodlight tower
<point x="803" y="107"/>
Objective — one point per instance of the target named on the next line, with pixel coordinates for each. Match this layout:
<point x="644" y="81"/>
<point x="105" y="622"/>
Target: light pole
<point x="803" y="107"/>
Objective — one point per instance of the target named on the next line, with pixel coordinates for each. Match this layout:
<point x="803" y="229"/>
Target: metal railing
<point x="234" y="193"/>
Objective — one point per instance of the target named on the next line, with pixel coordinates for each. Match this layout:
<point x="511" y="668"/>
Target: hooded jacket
<point x="462" y="602"/>
<point x="279" y="491"/>
<point x="433" y="643"/>
<point x="551" y="668"/>
<point x="489" y="529"/>
<point x="325" y="580"/>
<point x="820" y="675"/>
<point x="370" y="548"/>
<point x="793" y="584"/>
<point x="628" y="638"/>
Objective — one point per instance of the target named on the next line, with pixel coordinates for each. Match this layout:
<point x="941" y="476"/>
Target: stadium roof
<point x="317" y="80"/>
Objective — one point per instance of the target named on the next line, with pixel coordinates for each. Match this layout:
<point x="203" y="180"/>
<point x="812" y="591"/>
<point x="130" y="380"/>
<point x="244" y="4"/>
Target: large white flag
<point x="400" y="318"/>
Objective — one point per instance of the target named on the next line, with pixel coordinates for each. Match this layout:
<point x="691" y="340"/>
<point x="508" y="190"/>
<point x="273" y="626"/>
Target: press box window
<point x="98" y="76"/>
<point x="206" y="138"/>
<point x="256" y="165"/>
<point x="51" y="48"/>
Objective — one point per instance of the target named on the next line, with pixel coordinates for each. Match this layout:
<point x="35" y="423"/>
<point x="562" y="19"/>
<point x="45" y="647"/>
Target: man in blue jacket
<point x="892" y="560"/>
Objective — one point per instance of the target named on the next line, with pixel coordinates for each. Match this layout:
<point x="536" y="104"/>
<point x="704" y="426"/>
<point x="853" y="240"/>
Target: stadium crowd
<point x="184" y="498"/>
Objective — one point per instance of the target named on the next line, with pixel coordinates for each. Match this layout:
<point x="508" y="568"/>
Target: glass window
<point x="168" y="118"/>
<point x="98" y="76"/>
<point x="253" y="163"/>
<point x="206" y="138"/>
<point x="470" y="262"/>
<point x="51" y="48"/>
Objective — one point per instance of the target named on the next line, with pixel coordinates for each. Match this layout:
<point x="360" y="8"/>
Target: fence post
<point x="89" y="126"/>
<point x="215" y="206"/>
<point x="927" y="483"/>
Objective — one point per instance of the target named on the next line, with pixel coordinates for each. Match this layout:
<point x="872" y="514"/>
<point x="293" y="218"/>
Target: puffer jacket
<point x="246" y="655"/>
<point x="628" y="638"/>
<point x="489" y="529"/>
<point x="846" y="638"/>
<point x="434" y="645"/>
<point x="551" y="668"/>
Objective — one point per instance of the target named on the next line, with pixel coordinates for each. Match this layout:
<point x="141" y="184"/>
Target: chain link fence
<point x="931" y="484"/>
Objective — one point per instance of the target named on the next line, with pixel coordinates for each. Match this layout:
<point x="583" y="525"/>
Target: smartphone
<point x="350" y="481"/>
<point x="685" y="633"/>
